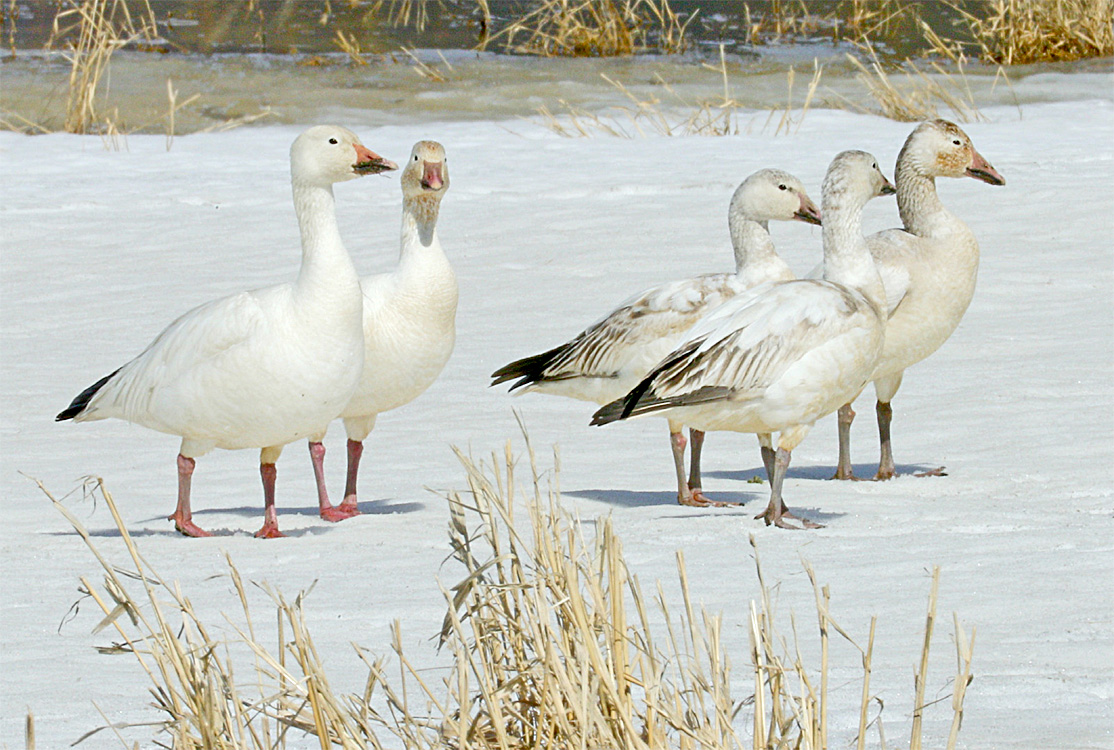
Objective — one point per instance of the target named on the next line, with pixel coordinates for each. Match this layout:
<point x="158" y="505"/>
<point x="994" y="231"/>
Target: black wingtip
<point x="609" y="413"/>
<point x="82" y="399"/>
<point x="528" y="369"/>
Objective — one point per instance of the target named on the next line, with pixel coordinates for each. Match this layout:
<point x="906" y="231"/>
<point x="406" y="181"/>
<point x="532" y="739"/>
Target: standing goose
<point x="780" y="357"/>
<point x="606" y="360"/>
<point x="259" y="369"/>
<point x="928" y="270"/>
<point x="409" y="321"/>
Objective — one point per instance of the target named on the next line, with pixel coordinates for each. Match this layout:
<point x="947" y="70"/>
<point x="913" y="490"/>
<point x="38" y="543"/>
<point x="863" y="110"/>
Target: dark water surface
<point x="281" y="59"/>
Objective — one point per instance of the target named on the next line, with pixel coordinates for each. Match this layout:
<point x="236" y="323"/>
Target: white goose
<point x="259" y="369"/>
<point x="928" y="269"/>
<point x="409" y="321"/>
<point x="606" y="360"/>
<point x="781" y="356"/>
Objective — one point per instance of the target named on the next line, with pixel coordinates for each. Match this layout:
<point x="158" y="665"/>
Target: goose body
<point x="609" y="358"/>
<point x="258" y="369"/>
<point x="409" y="321"/>
<point x="782" y="355"/>
<point x="928" y="269"/>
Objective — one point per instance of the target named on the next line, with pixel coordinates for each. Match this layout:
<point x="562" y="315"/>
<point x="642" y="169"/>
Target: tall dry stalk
<point x="595" y="28"/>
<point x="915" y="97"/>
<point x="1014" y="32"/>
<point x="94" y="30"/>
<point x="549" y="638"/>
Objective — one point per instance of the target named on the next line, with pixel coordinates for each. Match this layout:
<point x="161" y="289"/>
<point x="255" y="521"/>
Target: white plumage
<point x="610" y="357"/>
<point x="928" y="269"/>
<point x="783" y="355"/>
<point x="409" y="321"/>
<point x="259" y="369"/>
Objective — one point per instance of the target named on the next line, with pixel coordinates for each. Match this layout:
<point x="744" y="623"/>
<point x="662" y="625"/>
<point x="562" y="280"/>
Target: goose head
<point x="853" y="179"/>
<point x="327" y="154"/>
<point x="426" y="175"/>
<point x="773" y="195"/>
<point x="939" y="148"/>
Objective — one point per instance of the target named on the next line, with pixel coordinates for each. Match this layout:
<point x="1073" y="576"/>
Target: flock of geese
<point x="755" y="351"/>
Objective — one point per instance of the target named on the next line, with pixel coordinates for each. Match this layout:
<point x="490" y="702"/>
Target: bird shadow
<point x="382" y="507"/>
<point x="639" y="498"/>
<point x="862" y="471"/>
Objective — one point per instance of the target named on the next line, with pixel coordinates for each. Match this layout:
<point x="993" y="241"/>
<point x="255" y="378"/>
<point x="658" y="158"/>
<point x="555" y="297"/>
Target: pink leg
<point x="355" y="451"/>
<point x="685" y="495"/>
<point x="182" y="517"/>
<point x="270" y="528"/>
<point x="325" y="508"/>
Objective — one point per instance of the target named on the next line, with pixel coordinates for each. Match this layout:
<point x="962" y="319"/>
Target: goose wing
<point x="742" y="347"/>
<point x="618" y="343"/>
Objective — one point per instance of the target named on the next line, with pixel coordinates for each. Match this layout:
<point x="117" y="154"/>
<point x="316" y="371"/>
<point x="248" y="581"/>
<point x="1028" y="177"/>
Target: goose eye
<point x="956" y="142"/>
<point x="782" y="187"/>
<point x="874" y="166"/>
<point x="333" y="141"/>
<point x="415" y="157"/>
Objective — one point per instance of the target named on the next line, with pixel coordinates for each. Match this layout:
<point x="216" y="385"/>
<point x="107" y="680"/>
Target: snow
<point x="101" y="249"/>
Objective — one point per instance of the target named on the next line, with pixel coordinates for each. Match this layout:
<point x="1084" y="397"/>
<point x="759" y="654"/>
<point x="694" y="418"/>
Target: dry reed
<point x="915" y="97"/>
<point x="549" y="635"/>
<point x="101" y="27"/>
<point x="1014" y="32"/>
<point x="595" y="28"/>
<point x="350" y="46"/>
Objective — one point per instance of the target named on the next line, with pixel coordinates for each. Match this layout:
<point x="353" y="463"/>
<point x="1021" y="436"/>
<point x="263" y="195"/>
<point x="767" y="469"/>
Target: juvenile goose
<point x="781" y="356"/>
<point x="259" y="369"/>
<point x="606" y="360"/>
<point x="928" y="270"/>
<point x="409" y="321"/>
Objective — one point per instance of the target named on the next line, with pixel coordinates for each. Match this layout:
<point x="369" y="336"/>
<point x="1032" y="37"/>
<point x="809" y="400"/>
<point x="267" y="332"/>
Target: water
<point x="281" y="59"/>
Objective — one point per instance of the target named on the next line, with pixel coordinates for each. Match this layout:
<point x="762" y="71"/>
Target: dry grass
<point x="782" y="21"/>
<point x="677" y="115"/>
<point x="550" y="637"/>
<point x="1014" y="32"/>
<point x="93" y="31"/>
<point x="428" y="71"/>
<point x="351" y="47"/>
<point x="595" y="28"/>
<point x="909" y="94"/>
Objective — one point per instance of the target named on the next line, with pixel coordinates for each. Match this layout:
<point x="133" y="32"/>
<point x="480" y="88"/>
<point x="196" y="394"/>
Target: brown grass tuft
<point x="550" y="639"/>
<point x="910" y="94"/>
<point x="595" y="28"/>
<point x="93" y="31"/>
<point x="1014" y="32"/>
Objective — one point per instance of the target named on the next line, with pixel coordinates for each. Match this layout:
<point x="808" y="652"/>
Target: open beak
<point x="432" y="178"/>
<point x="887" y="187"/>
<point x="980" y="169"/>
<point x="369" y="162"/>
<point x="808" y="212"/>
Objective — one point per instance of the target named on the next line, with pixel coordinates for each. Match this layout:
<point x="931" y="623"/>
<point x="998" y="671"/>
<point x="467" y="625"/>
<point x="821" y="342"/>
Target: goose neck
<point x="847" y="258"/>
<point x="751" y="241"/>
<point x="917" y="201"/>
<point x="419" y="222"/>
<point x="323" y="252"/>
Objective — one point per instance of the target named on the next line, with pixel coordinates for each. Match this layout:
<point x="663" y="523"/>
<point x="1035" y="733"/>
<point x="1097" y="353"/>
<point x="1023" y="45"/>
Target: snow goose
<point x="928" y="270"/>
<point x="783" y="355"/>
<point x="259" y="369"/>
<point x="409" y="321"/>
<point x="606" y="360"/>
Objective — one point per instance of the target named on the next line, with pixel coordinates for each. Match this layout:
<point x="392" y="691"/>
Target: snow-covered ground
<point x="101" y="249"/>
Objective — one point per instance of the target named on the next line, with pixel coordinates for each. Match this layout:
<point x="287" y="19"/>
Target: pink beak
<point x="369" y="162"/>
<point x="808" y="212"/>
<point x="431" y="175"/>
<point x="980" y="169"/>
